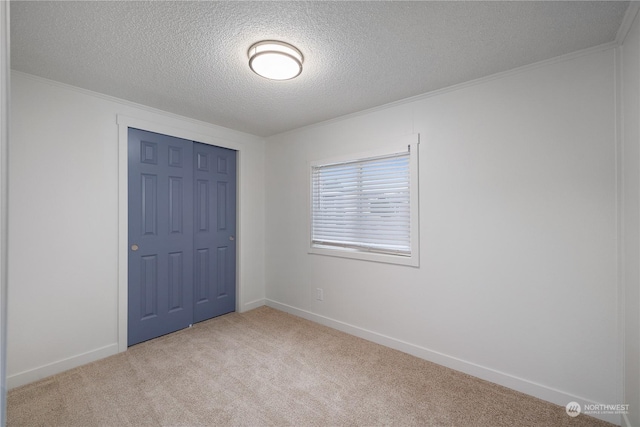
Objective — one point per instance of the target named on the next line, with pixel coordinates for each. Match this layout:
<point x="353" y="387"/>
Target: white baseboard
<point x="44" y="371"/>
<point x="519" y="384"/>
<point x="251" y="305"/>
<point x="31" y="375"/>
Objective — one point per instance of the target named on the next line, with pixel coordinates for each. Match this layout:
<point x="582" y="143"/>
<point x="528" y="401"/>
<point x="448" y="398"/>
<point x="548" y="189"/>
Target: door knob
<point x="232" y="238"/>
<point x="134" y="247"/>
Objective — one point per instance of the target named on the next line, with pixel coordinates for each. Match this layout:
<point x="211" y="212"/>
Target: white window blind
<point x="363" y="205"/>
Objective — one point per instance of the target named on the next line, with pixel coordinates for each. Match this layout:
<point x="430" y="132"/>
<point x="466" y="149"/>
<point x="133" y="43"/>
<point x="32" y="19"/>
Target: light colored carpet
<point x="269" y="368"/>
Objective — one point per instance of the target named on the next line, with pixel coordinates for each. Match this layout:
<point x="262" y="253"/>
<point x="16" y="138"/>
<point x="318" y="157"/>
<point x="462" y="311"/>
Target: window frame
<point x="408" y="142"/>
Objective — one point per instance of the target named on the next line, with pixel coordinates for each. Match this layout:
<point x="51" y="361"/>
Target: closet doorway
<point x="181" y="237"/>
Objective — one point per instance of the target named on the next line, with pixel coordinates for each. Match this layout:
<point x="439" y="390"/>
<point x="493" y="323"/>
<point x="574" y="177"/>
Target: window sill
<point x="411" y="261"/>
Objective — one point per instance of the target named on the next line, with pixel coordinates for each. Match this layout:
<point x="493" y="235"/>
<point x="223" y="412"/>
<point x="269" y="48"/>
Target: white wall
<point x="63" y="247"/>
<point x="518" y="278"/>
<point x="630" y="210"/>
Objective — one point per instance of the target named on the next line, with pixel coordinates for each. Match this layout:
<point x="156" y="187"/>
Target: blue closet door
<point x="160" y="235"/>
<point x="182" y="229"/>
<point x="215" y="231"/>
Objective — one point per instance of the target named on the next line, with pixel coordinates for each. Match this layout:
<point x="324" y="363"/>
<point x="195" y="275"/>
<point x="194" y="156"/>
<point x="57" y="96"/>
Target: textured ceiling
<point x="190" y="58"/>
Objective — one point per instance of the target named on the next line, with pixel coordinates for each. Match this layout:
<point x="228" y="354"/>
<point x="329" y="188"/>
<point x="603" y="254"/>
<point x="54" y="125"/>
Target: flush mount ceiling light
<point x="275" y="60"/>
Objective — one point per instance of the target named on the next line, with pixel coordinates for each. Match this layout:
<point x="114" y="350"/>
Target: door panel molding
<point x="160" y="235"/>
<point x="218" y="237"/>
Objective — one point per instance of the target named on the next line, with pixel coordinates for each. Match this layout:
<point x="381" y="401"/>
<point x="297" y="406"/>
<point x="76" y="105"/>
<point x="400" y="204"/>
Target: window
<point x="366" y="206"/>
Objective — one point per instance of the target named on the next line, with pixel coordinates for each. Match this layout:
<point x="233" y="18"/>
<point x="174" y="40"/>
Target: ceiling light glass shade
<point x="275" y="60"/>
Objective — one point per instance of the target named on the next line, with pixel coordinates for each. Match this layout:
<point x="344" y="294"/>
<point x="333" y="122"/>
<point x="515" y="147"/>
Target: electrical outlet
<point x="319" y="294"/>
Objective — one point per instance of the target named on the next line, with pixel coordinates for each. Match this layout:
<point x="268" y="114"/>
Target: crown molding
<point x="221" y="131"/>
<point x="459" y="86"/>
